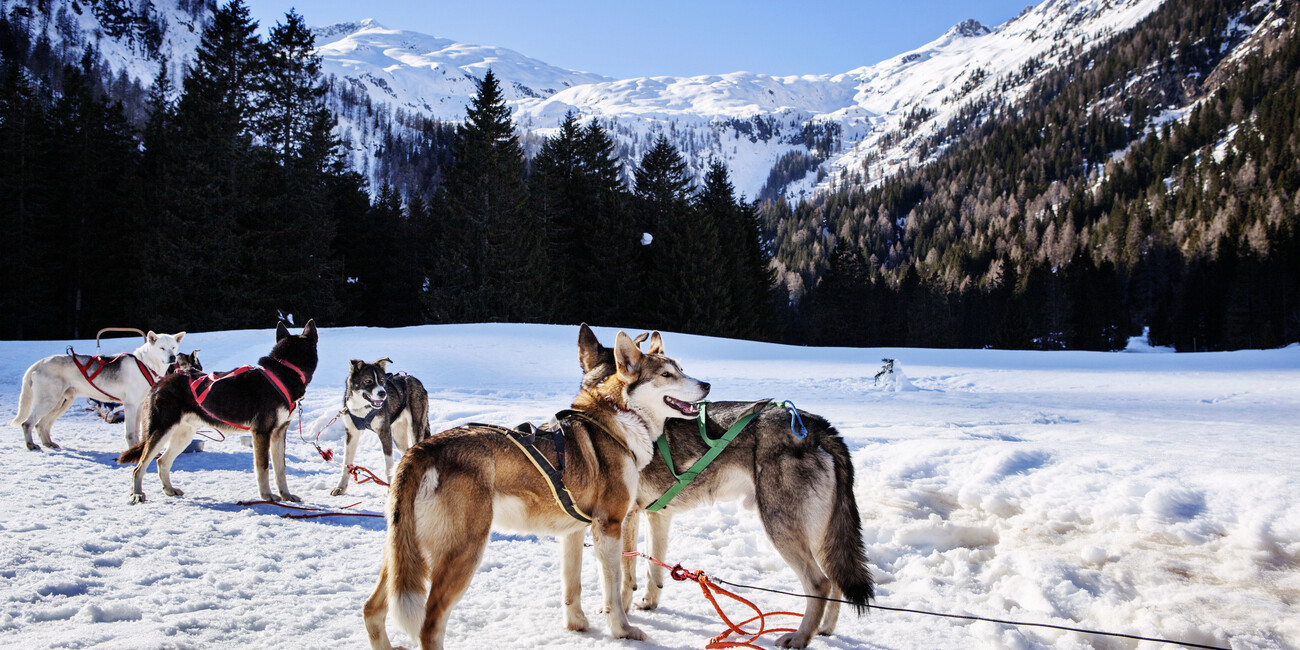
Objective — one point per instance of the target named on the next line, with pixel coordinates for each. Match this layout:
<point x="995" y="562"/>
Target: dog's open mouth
<point x="685" y="408"/>
<point x="376" y="403"/>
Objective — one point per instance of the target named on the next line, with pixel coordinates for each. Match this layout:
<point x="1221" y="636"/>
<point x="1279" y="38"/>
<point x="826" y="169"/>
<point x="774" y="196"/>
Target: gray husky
<point x="803" y="490"/>
<point x="387" y="404"/>
<point x="51" y="384"/>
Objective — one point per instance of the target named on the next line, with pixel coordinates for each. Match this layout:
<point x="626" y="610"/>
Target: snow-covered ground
<point x="1145" y="493"/>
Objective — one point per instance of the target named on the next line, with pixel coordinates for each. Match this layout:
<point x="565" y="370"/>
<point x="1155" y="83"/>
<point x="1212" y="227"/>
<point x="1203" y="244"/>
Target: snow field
<point x="1149" y="494"/>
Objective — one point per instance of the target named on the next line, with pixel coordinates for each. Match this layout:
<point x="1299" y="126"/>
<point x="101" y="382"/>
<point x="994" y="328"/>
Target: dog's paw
<point x="51" y="445"/>
<point x="289" y="497"/>
<point x="631" y="632"/>
<point x="338" y="492"/>
<point x="647" y="603"/>
<point x="137" y="498"/>
<point x="576" y="621"/>
<point x="792" y="640"/>
<point x="269" y="497"/>
<point x="33" y="446"/>
<point x="173" y="492"/>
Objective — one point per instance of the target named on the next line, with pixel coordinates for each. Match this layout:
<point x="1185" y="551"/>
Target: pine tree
<point x="663" y="188"/>
<point x="209" y="277"/>
<point x="578" y="199"/>
<point x="493" y="266"/>
<point x="24" y="135"/>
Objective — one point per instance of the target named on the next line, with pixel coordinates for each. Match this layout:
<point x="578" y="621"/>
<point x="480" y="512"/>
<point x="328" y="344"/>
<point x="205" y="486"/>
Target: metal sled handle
<point x="117" y="329"/>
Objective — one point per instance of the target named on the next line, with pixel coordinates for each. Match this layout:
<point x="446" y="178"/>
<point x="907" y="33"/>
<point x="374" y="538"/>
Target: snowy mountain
<point x="821" y="131"/>
<point x="132" y="36"/>
<point x="749" y="120"/>
<point x="433" y="76"/>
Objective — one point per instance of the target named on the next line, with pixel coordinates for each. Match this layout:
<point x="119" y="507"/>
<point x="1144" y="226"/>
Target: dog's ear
<point x="310" y="330"/>
<point x="383" y="364"/>
<point x="281" y="332"/>
<point x="656" y="343"/>
<point x="588" y="348"/>
<point x="640" y="338"/>
<point x="151" y="337"/>
<point x="627" y="358"/>
<point x="179" y="336"/>
<point x="356" y="363"/>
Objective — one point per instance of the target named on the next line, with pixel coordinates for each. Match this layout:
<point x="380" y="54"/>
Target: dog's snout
<point x="381" y="393"/>
<point x="704" y="385"/>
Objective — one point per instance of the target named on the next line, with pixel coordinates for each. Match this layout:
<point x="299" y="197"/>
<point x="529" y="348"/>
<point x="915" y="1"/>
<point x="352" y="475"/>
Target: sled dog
<point x="259" y="399"/>
<point x="51" y="384"/>
<point x="113" y="412"/>
<point x="803" y="490"/>
<point x="452" y="489"/>
<point x="387" y="404"/>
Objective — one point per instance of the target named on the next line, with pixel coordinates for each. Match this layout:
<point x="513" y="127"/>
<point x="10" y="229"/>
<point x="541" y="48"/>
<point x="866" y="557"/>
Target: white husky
<point x="51" y="384"/>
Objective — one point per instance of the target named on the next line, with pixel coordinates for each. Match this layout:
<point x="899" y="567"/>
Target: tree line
<point x="1072" y="218"/>
<point x="231" y="206"/>
<point x="1075" y="217"/>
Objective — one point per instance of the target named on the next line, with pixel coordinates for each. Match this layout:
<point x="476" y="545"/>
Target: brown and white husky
<point x="454" y="488"/>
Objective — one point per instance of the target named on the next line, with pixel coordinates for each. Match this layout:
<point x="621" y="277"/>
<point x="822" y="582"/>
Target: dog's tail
<point x="842" y="555"/>
<point x="407" y="569"/>
<point x="25" y="397"/>
<point x="133" y="453"/>
<point x="419" y="401"/>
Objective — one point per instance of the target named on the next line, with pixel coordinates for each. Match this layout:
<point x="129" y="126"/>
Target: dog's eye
<point x="666" y="375"/>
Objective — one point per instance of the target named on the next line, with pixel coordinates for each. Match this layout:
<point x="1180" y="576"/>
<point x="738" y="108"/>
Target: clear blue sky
<point x="631" y="38"/>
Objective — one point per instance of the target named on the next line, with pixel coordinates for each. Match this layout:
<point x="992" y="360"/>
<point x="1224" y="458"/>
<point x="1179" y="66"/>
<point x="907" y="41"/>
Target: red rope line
<point x="709" y="588"/>
<point x="315" y="512"/>
<point x="328" y="454"/>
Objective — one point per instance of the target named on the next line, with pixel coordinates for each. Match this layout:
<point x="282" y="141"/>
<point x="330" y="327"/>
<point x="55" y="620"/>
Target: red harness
<point x="96" y="364"/>
<point x="202" y="385"/>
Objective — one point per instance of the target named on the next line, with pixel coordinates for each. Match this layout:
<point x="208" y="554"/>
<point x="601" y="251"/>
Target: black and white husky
<point x="802" y="488"/>
<point x="257" y="399"/>
<point x="395" y="407"/>
<point x="51" y="384"/>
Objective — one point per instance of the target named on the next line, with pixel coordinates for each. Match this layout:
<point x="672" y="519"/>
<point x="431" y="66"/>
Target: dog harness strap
<point x="211" y="380"/>
<point x="301" y="375"/>
<point x="90" y="377"/>
<point x="589" y="420"/>
<point x="363" y="423"/>
<point x="553" y="479"/>
<point x="715" y="448"/>
<point x="275" y="381"/>
<point x="552" y="475"/>
<point x="149" y="376"/>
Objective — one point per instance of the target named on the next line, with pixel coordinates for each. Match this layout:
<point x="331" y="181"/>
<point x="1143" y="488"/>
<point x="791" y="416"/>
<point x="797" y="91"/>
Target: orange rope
<point x="709" y="588"/>
<point x="356" y="470"/>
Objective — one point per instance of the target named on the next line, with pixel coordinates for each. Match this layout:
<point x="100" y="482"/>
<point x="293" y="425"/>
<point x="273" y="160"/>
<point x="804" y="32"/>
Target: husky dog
<point x="803" y="489"/>
<point x="188" y="364"/>
<point x="258" y="398"/>
<point x="113" y="412"/>
<point x="386" y="404"/>
<point x="51" y="384"/>
<point x="452" y="489"/>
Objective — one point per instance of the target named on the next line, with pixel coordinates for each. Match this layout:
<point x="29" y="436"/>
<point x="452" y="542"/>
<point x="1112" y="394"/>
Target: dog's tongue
<point x="685" y="407"/>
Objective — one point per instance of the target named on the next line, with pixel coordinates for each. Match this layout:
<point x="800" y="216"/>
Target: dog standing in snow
<point x="395" y="407"/>
<point x="51" y="384"/>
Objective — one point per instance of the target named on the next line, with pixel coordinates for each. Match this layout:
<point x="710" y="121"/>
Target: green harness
<point x="715" y="448"/>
